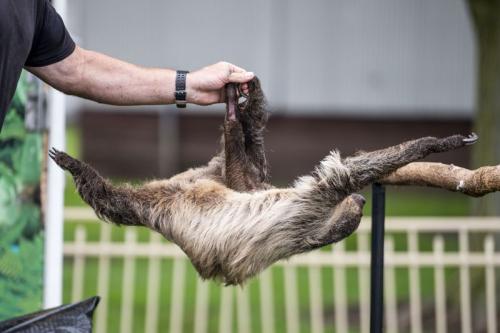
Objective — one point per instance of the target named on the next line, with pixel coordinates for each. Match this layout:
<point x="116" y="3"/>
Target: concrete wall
<point x="358" y="57"/>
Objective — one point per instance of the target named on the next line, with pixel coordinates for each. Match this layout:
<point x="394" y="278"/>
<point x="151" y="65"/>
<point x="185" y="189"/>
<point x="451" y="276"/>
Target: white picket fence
<point x="451" y="238"/>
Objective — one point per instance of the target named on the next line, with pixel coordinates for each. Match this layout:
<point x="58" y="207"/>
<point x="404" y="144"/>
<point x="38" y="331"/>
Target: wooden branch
<point x="475" y="183"/>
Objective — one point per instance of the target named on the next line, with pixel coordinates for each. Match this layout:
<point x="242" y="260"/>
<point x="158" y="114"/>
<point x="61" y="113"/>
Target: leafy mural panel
<point x="21" y="234"/>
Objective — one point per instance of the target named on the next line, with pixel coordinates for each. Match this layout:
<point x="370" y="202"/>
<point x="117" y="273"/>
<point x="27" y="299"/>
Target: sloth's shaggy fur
<point x="225" y="216"/>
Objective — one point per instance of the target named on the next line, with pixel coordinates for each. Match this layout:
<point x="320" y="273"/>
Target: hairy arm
<point x="104" y="79"/>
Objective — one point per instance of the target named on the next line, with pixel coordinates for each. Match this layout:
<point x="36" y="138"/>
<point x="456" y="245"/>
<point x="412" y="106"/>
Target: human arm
<point x="108" y="80"/>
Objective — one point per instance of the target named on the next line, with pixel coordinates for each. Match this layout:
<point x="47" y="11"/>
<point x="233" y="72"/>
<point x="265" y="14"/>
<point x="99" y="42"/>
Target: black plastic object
<point x="71" y="318"/>
<point x="377" y="262"/>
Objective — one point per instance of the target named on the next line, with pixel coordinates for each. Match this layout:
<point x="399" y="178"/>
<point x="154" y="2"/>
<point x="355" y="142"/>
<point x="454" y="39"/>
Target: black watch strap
<point x="180" y="88"/>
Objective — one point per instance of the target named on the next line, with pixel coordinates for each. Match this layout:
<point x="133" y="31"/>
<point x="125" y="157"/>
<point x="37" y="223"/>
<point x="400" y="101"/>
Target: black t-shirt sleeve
<point x="52" y="42"/>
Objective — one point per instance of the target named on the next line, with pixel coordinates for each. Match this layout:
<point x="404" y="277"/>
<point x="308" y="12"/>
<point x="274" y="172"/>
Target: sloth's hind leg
<point x="66" y="162"/>
<point x="344" y="220"/>
<point x="120" y="205"/>
<point x="318" y="231"/>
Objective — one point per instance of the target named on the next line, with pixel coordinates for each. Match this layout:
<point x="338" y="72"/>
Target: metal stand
<point x="377" y="260"/>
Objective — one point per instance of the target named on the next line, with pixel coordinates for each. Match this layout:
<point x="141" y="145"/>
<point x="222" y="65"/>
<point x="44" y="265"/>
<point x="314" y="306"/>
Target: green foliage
<point x="21" y="277"/>
<point x="21" y="240"/>
<point x="13" y="128"/>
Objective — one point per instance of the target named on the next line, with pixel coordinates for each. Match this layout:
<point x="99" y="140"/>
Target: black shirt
<point x="31" y="34"/>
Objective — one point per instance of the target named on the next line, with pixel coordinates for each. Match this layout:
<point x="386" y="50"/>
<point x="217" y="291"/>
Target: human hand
<point x="206" y="86"/>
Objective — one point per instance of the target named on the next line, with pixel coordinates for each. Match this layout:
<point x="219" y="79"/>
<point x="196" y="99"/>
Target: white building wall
<point x="385" y="57"/>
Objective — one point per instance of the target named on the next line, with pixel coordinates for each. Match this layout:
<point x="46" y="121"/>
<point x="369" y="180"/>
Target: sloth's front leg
<point x="244" y="171"/>
<point x="237" y="173"/>
<point x="253" y="118"/>
<point x="330" y="189"/>
<point x="366" y="168"/>
<point x="336" y="178"/>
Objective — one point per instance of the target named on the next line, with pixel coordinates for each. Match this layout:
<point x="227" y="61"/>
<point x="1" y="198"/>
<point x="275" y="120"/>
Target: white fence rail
<point x="441" y="275"/>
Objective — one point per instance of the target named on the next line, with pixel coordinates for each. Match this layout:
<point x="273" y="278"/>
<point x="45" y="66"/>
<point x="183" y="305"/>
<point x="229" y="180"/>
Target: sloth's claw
<point x="470" y="139"/>
<point x="54" y="153"/>
<point x="241" y="93"/>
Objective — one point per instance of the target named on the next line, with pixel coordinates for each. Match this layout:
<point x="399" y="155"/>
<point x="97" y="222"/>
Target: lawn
<point x="400" y="202"/>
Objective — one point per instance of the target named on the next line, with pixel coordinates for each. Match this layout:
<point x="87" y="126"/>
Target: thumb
<point x="241" y="77"/>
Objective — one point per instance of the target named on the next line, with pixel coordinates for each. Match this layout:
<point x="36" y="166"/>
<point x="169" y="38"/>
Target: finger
<point x="235" y="69"/>
<point x="241" y="77"/>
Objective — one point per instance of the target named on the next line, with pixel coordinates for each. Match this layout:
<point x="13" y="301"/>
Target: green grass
<point x="400" y="202"/>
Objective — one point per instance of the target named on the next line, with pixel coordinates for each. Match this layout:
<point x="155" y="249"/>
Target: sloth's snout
<point x="359" y="199"/>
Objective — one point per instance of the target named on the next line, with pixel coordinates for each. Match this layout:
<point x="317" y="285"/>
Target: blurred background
<point x="352" y="75"/>
<point x="347" y="74"/>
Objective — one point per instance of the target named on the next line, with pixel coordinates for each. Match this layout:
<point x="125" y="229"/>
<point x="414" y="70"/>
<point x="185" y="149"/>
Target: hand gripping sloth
<point x="227" y="218"/>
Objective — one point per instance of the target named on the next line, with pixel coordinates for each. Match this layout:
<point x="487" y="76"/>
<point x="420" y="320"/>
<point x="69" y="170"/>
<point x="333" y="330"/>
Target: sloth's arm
<point x="253" y="118"/>
<point x="242" y="164"/>
<point x="366" y="168"/>
<point x="244" y="124"/>
<point x="237" y="162"/>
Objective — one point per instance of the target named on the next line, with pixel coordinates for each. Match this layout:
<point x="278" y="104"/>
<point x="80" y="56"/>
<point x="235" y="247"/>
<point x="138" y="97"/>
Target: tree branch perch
<point x="475" y="183"/>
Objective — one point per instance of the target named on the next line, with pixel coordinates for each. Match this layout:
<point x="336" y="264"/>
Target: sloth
<point x="227" y="218"/>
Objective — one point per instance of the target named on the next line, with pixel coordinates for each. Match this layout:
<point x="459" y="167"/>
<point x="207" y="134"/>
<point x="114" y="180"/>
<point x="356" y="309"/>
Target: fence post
<point x="377" y="259"/>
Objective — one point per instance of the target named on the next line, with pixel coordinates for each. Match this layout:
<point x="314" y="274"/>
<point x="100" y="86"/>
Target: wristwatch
<point x="180" y="88"/>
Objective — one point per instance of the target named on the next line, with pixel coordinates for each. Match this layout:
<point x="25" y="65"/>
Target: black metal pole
<point x="377" y="259"/>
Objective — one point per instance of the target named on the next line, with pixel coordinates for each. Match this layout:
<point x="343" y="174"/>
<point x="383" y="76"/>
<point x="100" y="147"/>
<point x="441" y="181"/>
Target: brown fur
<point x="226" y="217"/>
